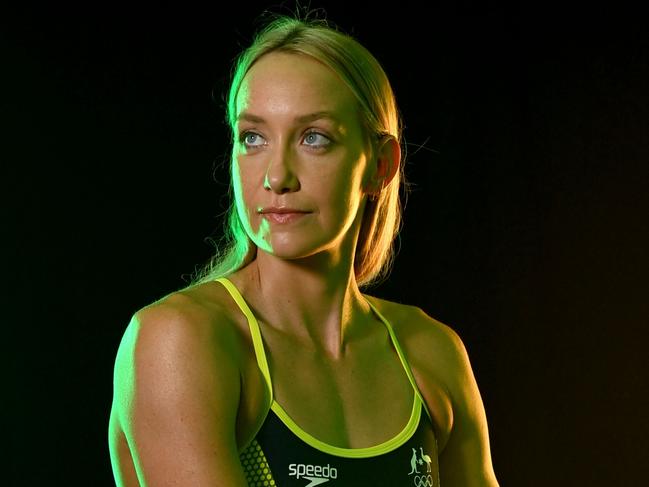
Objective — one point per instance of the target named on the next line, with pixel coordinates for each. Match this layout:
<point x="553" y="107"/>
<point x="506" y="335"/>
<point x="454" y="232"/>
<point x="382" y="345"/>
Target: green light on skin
<point x="240" y="238"/>
<point x="264" y="235"/>
<point x="260" y="236"/>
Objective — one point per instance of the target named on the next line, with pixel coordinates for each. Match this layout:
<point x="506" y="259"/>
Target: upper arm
<point x="466" y="458"/>
<point x="176" y="395"/>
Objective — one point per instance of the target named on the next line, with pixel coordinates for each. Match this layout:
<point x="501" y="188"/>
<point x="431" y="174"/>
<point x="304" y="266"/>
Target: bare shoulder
<point x="176" y="393"/>
<point x="181" y="324"/>
<point x="436" y="351"/>
<point x="412" y="318"/>
<point x="194" y="322"/>
<point x="198" y="316"/>
<point x="431" y="343"/>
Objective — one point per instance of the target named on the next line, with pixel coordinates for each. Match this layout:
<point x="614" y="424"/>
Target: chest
<point x="361" y="401"/>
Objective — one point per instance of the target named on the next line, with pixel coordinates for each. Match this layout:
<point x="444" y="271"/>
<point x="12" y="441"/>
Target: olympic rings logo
<point x="423" y="480"/>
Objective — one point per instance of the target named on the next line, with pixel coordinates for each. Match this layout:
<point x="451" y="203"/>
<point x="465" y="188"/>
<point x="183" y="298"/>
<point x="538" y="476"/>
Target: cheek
<point x="255" y="227"/>
<point x="237" y="185"/>
<point x="344" y="189"/>
<point x="242" y="195"/>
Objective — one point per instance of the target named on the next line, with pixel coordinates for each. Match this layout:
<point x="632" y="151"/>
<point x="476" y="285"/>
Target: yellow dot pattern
<point x="256" y="467"/>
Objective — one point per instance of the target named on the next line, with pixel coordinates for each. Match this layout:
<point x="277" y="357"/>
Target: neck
<point x="314" y="300"/>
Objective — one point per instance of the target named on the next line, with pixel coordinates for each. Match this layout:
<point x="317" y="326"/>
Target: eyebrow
<point x="309" y="117"/>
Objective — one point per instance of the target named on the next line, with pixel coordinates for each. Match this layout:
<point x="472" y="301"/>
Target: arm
<point x="176" y="394"/>
<point x="466" y="458"/>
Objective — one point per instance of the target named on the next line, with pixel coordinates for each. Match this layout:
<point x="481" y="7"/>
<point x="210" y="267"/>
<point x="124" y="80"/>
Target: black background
<point x="527" y="132"/>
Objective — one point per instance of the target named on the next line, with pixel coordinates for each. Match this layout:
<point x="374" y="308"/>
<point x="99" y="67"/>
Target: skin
<point x="320" y="164"/>
<point x="181" y="422"/>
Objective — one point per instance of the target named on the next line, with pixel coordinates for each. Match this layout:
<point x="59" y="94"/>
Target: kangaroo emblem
<point x="413" y="462"/>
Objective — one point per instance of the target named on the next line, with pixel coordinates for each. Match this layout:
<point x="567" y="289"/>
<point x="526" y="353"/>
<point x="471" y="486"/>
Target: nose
<point x="280" y="175"/>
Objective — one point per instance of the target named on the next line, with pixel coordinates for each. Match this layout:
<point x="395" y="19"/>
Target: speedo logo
<point x="315" y="473"/>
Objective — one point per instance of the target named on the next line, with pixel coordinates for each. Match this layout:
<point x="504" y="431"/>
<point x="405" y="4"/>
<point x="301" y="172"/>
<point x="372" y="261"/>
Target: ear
<point x="386" y="165"/>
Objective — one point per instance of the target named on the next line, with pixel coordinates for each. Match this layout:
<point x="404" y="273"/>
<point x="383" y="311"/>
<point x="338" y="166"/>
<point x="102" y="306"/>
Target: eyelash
<point x="315" y="132"/>
<point x="244" y="135"/>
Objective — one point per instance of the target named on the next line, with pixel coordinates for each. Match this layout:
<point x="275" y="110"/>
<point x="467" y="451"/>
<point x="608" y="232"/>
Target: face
<point x="300" y="157"/>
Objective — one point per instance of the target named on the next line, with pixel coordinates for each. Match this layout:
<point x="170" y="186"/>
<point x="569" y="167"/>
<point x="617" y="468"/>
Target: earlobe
<point x="388" y="159"/>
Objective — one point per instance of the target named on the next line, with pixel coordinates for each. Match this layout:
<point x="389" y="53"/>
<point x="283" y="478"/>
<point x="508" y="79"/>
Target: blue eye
<point x="316" y="139"/>
<point x="251" y="139"/>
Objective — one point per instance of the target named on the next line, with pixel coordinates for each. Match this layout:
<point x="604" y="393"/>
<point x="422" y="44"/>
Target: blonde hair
<point x="363" y="74"/>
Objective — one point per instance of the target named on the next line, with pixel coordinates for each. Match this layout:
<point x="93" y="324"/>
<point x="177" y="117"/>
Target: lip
<point x="281" y="210"/>
<point x="283" y="214"/>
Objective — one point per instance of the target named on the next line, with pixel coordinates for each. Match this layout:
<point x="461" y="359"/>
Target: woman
<point x="273" y="368"/>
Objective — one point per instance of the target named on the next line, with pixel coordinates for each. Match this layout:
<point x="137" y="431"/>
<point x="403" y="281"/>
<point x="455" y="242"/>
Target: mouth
<point x="283" y="215"/>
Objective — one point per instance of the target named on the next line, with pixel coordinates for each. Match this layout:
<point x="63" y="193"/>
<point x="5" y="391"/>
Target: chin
<point x="292" y="249"/>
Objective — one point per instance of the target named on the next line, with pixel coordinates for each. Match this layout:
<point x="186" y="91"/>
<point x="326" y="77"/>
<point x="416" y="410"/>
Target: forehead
<point x="285" y="84"/>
